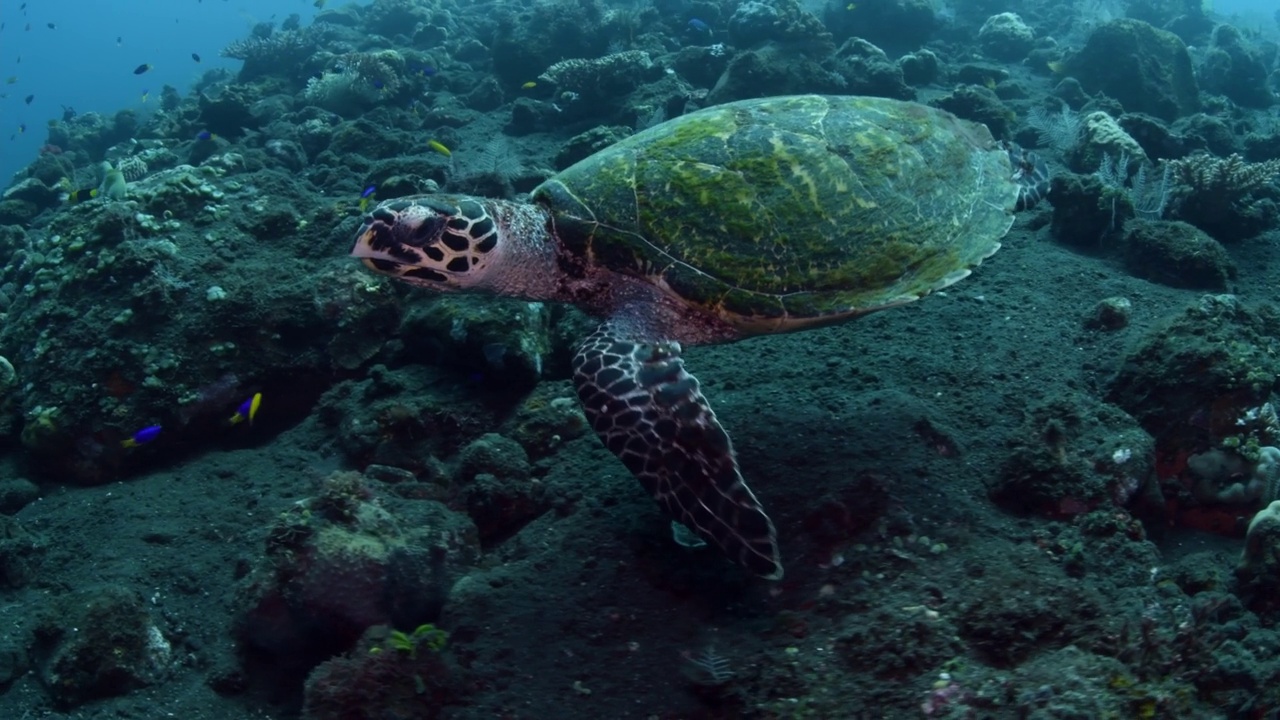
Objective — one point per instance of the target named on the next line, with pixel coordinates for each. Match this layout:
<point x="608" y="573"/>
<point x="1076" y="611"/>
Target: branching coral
<point x="276" y="54"/>
<point x="1225" y="196"/>
<point x="290" y="46"/>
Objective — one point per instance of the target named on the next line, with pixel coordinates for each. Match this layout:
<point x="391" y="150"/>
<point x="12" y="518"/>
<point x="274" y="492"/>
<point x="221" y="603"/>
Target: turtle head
<point x="444" y="242"/>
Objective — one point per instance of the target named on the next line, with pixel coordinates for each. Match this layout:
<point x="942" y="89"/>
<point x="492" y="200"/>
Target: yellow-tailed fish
<point x="439" y="147"/>
<point x="142" y="437"/>
<point x="248" y="409"/>
<point x="72" y="195"/>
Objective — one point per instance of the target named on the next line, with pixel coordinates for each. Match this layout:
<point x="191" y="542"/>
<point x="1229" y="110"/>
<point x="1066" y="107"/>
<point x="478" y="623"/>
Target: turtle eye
<point x="424" y="233"/>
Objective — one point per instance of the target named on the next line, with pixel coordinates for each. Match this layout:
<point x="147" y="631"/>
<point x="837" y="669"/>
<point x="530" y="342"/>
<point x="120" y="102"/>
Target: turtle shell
<point x="782" y="212"/>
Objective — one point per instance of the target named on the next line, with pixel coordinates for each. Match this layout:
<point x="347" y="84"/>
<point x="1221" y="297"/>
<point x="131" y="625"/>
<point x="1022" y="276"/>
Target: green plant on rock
<point x="425" y="635"/>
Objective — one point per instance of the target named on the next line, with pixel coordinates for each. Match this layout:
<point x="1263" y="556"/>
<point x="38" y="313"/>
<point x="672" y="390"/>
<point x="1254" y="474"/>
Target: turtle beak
<point x="382" y="251"/>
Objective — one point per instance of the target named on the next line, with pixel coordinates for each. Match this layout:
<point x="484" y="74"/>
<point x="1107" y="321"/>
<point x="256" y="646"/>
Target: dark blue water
<point x="87" y="60"/>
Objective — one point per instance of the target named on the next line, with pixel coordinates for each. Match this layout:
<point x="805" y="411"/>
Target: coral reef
<point x="986" y="502"/>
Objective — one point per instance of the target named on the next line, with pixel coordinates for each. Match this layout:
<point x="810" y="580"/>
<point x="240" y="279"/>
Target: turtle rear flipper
<point x="650" y="413"/>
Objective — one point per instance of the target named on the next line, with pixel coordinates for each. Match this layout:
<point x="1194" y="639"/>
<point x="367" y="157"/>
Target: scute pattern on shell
<point x="778" y="212"/>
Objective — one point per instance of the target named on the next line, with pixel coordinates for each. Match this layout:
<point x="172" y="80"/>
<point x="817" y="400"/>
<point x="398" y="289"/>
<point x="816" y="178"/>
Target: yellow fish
<point x="439" y="147"/>
<point x="1056" y="67"/>
<point x="851" y="6"/>
<point x="991" y="84"/>
<point x="529" y="85"/>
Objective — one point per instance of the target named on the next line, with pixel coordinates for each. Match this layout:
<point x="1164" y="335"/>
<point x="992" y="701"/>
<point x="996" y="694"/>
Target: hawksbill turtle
<point x="758" y="216"/>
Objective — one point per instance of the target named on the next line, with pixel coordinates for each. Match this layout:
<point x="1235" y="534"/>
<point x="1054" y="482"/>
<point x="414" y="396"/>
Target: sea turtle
<point x="758" y="216"/>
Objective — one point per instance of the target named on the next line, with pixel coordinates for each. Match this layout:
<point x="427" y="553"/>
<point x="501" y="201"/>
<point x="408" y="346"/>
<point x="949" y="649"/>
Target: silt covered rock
<point x="1147" y="69"/>
<point x="1176" y="254"/>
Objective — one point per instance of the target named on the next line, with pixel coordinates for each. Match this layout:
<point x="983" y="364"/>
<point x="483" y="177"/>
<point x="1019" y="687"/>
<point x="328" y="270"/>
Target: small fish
<point x="195" y="56"/>
<point x="145" y="93"/>
<point x="142" y="437"/>
<point x="1057" y="67"/>
<point x="52" y="26"/>
<point x="119" y="40"/>
<point x="27" y="28"/>
<point x="28" y="99"/>
<point x="851" y="6"/>
<point x="529" y="85"/>
<point x="369" y="191"/>
<point x="699" y="26"/>
<point x="142" y="68"/>
<point x="428" y="70"/>
<point x="11" y="80"/>
<point x="989" y="83"/>
<point x="22" y="127"/>
<point x="72" y="196"/>
<point x="319" y="4"/>
<point x="248" y="410"/>
<point x="367" y="197"/>
<point x="378" y="84"/>
<point x="439" y="147"/>
<point x="205" y="135"/>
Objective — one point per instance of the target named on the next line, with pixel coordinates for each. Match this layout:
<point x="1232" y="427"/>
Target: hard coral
<point x="277" y="53"/>
<point x="1229" y="198"/>
<point x="619" y="73"/>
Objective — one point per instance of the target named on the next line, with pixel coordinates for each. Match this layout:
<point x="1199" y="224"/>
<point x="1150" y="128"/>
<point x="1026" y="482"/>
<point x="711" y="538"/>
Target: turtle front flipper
<point x="651" y="414"/>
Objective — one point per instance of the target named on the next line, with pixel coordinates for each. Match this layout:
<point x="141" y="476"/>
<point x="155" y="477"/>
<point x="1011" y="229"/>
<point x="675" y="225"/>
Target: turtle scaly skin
<point x="754" y="217"/>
